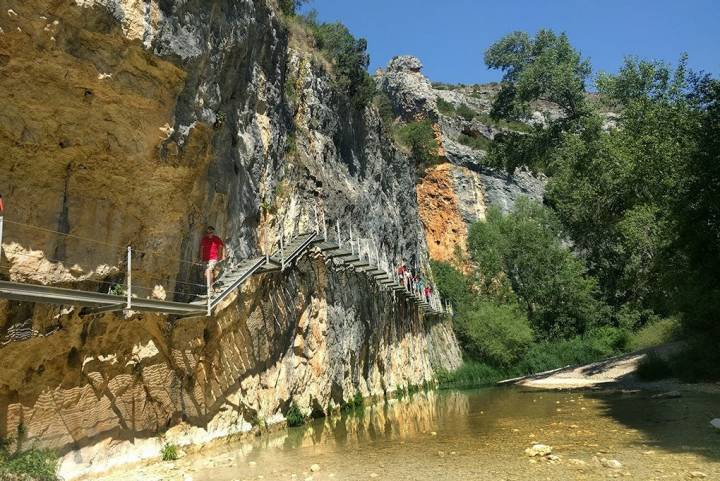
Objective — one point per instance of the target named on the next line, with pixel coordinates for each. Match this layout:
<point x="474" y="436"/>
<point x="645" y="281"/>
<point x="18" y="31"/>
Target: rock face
<point x="460" y="189"/>
<point x="138" y="123"/>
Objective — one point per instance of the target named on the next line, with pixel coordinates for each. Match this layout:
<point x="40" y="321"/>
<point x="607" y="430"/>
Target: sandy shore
<point x="616" y="372"/>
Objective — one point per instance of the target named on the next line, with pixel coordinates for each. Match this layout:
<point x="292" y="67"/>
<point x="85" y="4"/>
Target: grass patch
<point x="655" y="333"/>
<point x="169" y="452"/>
<point x="478" y="143"/>
<point x="294" y="416"/>
<point x="504" y="124"/>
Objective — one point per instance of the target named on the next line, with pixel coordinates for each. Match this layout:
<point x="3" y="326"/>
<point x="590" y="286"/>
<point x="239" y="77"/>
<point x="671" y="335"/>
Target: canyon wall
<point x="125" y="122"/>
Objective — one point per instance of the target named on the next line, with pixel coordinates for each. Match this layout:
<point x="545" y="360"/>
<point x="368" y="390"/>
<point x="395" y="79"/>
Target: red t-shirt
<point x="210" y="247"/>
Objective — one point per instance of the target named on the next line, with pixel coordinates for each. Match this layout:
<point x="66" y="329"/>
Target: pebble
<point x="315" y="468"/>
<point x="433" y="433"/>
<point x="697" y="474"/>
<point x="252" y="464"/>
<point x="374" y="475"/>
<point x="538" y="450"/>
<point x="611" y="463"/>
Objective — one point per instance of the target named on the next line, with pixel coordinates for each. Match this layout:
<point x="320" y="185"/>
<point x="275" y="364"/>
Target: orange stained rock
<point x="445" y="229"/>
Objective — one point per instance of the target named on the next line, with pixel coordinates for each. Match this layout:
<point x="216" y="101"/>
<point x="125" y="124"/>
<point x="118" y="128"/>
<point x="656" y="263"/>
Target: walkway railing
<point x="121" y="283"/>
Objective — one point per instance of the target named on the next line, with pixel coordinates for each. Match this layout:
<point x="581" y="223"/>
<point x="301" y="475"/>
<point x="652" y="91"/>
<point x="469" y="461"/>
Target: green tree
<point x="615" y="189"/>
<point x="452" y="284"/>
<point x="545" y="67"/>
<point x="525" y="250"/>
<point x="350" y="60"/>
<point x="498" y="334"/>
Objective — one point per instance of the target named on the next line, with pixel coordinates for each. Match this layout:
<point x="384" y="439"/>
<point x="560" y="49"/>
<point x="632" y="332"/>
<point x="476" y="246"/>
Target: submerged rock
<point x="539" y="450"/>
<point x="715" y="423"/>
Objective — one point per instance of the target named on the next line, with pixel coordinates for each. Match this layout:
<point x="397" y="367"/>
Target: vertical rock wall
<point x="127" y="122"/>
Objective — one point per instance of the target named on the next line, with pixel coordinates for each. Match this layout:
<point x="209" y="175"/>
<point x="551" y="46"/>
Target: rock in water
<point x="538" y="450"/>
<point x="611" y="463"/>
<point x="668" y="395"/>
<point x="715" y="423"/>
<point x="698" y="475"/>
<point x="315" y="468"/>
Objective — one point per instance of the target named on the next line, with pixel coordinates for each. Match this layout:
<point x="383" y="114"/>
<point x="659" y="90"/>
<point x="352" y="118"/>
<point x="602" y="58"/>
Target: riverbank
<point x="616" y="372"/>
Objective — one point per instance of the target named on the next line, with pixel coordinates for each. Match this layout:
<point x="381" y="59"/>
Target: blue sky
<point x="450" y="36"/>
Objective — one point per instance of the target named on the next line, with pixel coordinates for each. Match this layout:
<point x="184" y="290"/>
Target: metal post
<point x="128" y="278"/>
<point x="337" y="229"/>
<point x="352" y="246"/>
<point x="324" y="226"/>
<point x="1" y="233"/>
<point x="267" y="243"/>
<point x="317" y="220"/>
<point x="209" y="296"/>
<point x="282" y="248"/>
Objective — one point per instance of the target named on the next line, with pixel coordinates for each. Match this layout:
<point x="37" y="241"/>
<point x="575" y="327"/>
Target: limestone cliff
<point x="137" y="123"/>
<point x="457" y="192"/>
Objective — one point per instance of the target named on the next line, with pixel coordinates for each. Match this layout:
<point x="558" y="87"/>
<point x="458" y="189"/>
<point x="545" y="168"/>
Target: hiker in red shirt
<point x="212" y="251"/>
<point x="2" y="205"/>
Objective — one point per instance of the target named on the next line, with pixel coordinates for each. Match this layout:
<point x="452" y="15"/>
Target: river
<point x="479" y="434"/>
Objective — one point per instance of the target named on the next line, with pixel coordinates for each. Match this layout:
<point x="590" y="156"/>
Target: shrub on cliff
<point x="349" y="58"/>
<point x="419" y="138"/>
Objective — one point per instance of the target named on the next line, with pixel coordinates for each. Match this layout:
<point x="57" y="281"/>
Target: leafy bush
<point x="289" y="7"/>
<point x="594" y="346"/>
<point x="451" y="283"/>
<point x="35" y="464"/>
<point x="466" y="112"/>
<point x="445" y="107"/>
<point x="493" y="333"/>
<point x="294" y="416"/>
<point x="525" y="249"/>
<point x="385" y="108"/>
<point x="356" y="404"/>
<point x="419" y="137"/>
<point x="471" y="373"/>
<point x="169" y="452"/>
<point x="349" y="58"/>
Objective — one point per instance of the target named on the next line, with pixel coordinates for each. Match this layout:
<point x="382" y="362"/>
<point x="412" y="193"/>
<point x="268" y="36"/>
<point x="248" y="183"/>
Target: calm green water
<point x="481" y="435"/>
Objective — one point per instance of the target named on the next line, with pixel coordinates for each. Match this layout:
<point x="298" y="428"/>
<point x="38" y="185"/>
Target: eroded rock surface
<point x="138" y="123"/>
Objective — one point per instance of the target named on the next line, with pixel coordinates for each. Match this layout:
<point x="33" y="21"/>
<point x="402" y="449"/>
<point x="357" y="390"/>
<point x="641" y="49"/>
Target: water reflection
<point x="482" y="435"/>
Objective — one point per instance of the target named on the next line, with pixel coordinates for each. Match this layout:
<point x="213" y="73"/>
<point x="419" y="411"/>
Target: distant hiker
<point x="427" y="294"/>
<point x="401" y="271"/>
<point x="212" y="251"/>
<point x="408" y="280"/>
<point x="2" y="205"/>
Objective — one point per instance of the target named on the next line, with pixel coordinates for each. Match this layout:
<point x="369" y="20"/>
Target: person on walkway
<point x="2" y="205"/>
<point x="427" y="294"/>
<point x="212" y="251"/>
